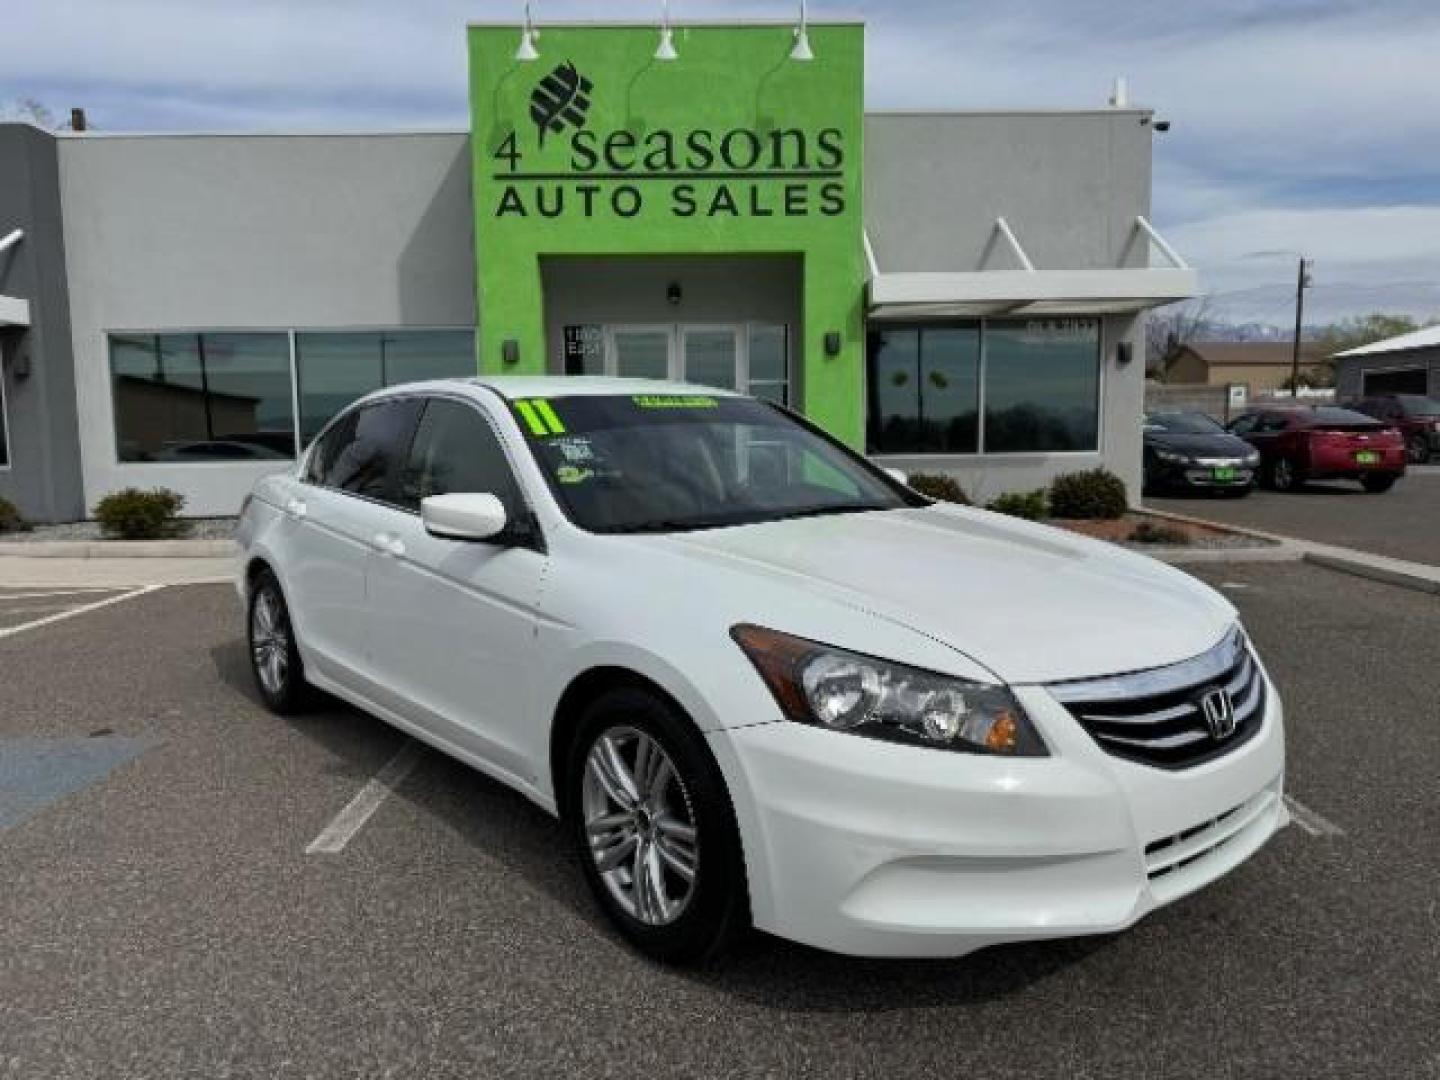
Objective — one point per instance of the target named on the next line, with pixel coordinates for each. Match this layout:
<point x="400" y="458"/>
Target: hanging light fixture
<point x="526" y="50"/>
<point x="666" y="49"/>
<point x="801" y="49"/>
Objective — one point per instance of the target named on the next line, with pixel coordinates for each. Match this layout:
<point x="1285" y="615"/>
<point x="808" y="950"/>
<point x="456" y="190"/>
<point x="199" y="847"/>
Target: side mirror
<point x="464" y="516"/>
<point x="898" y="475"/>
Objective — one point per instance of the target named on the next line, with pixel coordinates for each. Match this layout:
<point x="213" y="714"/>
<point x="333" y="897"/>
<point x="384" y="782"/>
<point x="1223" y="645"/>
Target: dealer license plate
<point x="1367" y="457"/>
<point x="1226" y="473"/>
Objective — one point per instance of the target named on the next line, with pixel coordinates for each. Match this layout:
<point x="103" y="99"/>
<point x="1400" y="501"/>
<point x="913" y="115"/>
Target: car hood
<point x="1028" y="602"/>
<point x="1217" y="445"/>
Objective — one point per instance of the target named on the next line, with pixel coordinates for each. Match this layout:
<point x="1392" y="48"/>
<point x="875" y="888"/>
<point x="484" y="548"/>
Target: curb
<point x="119" y="549"/>
<point x="1383" y="574"/>
<point x="1273" y="549"/>
<point x="1270" y="539"/>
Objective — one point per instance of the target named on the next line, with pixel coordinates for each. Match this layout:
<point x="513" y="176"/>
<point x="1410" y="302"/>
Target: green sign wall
<point x="596" y="148"/>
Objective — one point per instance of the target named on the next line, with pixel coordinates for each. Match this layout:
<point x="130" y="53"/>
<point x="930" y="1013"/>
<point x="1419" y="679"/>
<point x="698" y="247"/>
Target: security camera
<point x="1162" y="125"/>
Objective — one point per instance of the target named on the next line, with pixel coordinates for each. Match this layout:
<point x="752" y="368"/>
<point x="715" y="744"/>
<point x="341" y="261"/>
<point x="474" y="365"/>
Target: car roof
<point x="558" y="386"/>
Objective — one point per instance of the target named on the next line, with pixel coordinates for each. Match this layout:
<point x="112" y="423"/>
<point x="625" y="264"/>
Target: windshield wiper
<point x="833" y="508"/>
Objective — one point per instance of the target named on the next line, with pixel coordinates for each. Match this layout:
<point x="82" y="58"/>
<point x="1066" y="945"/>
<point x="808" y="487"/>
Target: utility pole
<point x="1302" y="282"/>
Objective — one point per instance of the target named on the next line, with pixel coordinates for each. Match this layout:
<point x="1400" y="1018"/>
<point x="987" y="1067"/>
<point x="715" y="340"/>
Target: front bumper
<point x="874" y="849"/>
<point x="1203" y="476"/>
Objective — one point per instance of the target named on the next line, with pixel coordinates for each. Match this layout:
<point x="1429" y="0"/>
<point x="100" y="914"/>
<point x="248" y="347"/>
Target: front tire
<point x="275" y="662"/>
<point x="654" y="828"/>
<point x="1284" y="474"/>
<point x="1377" y="483"/>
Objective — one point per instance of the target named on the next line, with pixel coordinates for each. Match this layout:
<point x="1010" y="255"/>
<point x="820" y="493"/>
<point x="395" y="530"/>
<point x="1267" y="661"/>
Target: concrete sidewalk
<point x="115" y="573"/>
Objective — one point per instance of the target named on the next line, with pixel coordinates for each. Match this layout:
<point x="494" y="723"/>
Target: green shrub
<point x="938" y="486"/>
<point x="1147" y="532"/>
<point x="133" y="514"/>
<point x="1095" y="493"/>
<point x="1029" y="505"/>
<point x="10" y="519"/>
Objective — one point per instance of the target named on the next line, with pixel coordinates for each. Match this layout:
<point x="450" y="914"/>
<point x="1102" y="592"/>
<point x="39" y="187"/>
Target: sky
<point x="1297" y="126"/>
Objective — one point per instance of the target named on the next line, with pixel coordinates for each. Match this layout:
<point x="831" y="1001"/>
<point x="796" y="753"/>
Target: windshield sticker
<point x="573" y="474"/>
<point x="662" y="401"/>
<point x="540" y="417"/>
<point x="575" y="449"/>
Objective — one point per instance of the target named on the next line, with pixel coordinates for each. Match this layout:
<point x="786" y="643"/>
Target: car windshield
<point x="669" y="463"/>
<point x="1183" y="423"/>
<point x="1417" y="405"/>
<point x="1324" y="415"/>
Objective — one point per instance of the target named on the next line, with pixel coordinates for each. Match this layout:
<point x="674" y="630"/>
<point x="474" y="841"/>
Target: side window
<point x="456" y="450"/>
<point x="1243" y="425"/>
<point x="322" y="458"/>
<point x="368" y="449"/>
<point x="1274" y="422"/>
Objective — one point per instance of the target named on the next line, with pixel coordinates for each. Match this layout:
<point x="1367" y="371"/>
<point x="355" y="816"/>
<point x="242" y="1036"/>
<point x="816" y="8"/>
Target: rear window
<point x="1329" y="416"/>
<point x="1417" y="405"/>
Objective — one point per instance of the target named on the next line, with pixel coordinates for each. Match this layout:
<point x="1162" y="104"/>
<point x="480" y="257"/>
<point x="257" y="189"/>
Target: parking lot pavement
<point x="1403" y="523"/>
<point x="162" y="917"/>
<point x="21" y="606"/>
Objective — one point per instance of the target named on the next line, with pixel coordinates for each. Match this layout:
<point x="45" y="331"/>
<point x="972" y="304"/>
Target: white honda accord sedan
<point x="760" y="681"/>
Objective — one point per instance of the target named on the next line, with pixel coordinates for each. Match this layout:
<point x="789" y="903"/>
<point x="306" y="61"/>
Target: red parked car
<point x="1320" y="442"/>
<point x="1417" y="417"/>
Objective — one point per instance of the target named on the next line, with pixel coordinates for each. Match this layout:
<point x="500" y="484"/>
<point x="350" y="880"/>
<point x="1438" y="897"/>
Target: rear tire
<point x="666" y="867"/>
<point x="275" y="662"/>
<point x="1378" y="483"/>
<point x="1417" y="449"/>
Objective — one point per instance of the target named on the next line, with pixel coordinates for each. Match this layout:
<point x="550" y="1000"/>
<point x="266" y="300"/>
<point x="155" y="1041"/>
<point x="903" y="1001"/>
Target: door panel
<point x="453" y="622"/>
<point x="349" y="477"/>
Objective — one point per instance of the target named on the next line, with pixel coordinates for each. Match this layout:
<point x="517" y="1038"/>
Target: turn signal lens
<point x="844" y="691"/>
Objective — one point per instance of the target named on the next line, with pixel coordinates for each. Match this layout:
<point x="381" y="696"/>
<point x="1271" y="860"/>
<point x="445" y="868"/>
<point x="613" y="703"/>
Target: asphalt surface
<point x="1403" y="523"/>
<point x="161" y="918"/>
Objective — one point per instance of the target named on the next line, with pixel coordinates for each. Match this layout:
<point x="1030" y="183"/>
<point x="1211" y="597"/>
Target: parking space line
<point x="52" y="592"/>
<point x="10" y="631"/>
<point x="1312" y="822"/>
<point x="359" y="810"/>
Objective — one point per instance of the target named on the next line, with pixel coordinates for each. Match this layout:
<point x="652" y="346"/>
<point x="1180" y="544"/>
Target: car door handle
<point x="296" y="508"/>
<point x="388" y="544"/>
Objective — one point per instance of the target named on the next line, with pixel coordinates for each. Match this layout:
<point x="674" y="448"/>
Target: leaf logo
<point x="561" y="99"/>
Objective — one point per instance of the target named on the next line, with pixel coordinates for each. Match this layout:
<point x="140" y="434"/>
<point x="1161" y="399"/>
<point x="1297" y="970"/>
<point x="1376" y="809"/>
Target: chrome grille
<point x="1156" y="716"/>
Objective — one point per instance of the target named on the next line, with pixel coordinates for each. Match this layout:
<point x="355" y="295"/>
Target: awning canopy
<point x="1030" y="291"/>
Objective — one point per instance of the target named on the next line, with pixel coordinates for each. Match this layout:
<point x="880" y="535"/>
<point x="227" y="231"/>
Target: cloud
<point x="1311" y="123"/>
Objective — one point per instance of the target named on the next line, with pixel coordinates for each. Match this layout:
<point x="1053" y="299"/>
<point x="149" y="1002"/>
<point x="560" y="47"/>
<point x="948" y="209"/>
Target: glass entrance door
<point x="640" y="352"/>
<point x="751" y="357"/>
<point x="710" y="355"/>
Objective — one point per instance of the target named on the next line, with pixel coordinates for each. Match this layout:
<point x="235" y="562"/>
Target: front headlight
<point x="845" y="691"/>
<point x="1252" y="458"/>
<point x="1172" y="457"/>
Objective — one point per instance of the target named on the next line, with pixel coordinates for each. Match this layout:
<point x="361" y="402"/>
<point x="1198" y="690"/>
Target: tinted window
<point x="924" y="389"/>
<point x="202" y="397"/>
<point x="667" y="463"/>
<point x="1325" y="414"/>
<point x="1242" y="425"/>
<point x="455" y="449"/>
<point x="335" y="368"/>
<point x="1273" y="422"/>
<point x="363" y="453"/>
<point x="1042" y="385"/>
<point x="1182" y="423"/>
<point x="1415" y="405"/>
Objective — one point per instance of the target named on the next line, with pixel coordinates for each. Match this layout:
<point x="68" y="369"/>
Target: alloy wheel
<point x="1283" y="473"/>
<point x="1418" y="450"/>
<point x="270" y="642"/>
<point x="639" y="825"/>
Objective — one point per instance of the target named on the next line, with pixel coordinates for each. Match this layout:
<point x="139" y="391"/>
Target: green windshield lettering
<point x="531" y="418"/>
<point x="664" y="401"/>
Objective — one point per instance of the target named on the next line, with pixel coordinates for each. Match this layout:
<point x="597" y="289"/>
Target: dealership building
<point x="949" y="291"/>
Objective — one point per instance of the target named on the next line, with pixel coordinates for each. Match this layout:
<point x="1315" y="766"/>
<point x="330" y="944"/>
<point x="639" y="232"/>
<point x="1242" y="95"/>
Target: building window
<point x="924" y="389"/>
<point x="202" y="397"/>
<point x="335" y="368"/>
<point x="1038" y="379"/>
